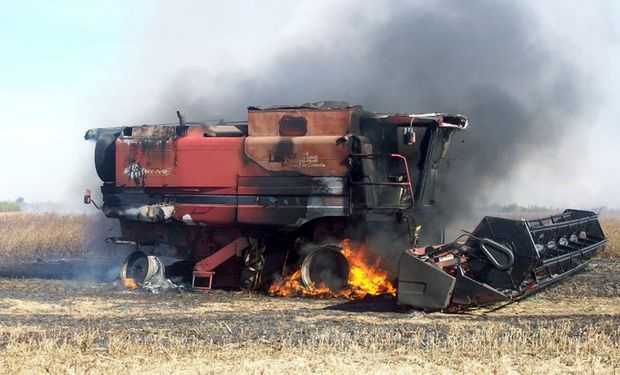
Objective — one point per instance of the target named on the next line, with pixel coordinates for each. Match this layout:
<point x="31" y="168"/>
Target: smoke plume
<point x="481" y="59"/>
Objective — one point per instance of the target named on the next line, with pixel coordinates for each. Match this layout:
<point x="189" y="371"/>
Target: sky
<point x="70" y="66"/>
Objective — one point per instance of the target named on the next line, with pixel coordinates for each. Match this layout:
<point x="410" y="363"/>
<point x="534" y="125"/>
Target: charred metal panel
<point x="155" y="233"/>
<point x="537" y="253"/>
<point x="94" y="134"/>
<point x="291" y="185"/>
<point x="423" y="284"/>
<point x="272" y="210"/>
<point x="324" y="206"/>
<point x="292" y="126"/>
<point x="293" y="122"/>
<point x="470" y="292"/>
<point x="191" y="209"/>
<point x="288" y="211"/>
<point x="219" y="214"/>
<point x="199" y="209"/>
<point x="105" y="157"/>
<point x="222" y="131"/>
<point x="309" y="156"/>
<point x="152" y="131"/>
<point x="515" y="235"/>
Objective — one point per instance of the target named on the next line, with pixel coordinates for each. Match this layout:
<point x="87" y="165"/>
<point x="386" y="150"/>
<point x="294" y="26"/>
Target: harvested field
<point x="66" y="326"/>
<point x="71" y="326"/>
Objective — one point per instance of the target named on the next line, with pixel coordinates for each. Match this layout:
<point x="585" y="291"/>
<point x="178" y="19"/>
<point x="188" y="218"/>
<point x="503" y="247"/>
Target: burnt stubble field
<point x="76" y="326"/>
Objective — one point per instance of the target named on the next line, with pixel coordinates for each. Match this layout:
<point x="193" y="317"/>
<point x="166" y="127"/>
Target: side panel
<point x="299" y="122"/>
<point x="422" y="284"/>
<point x="268" y="210"/>
<point x="200" y="180"/>
<point x="214" y="214"/>
<point x="291" y="185"/>
<point x="158" y="205"/>
<point x="202" y="162"/>
<point x="309" y="156"/>
<point x="284" y="211"/>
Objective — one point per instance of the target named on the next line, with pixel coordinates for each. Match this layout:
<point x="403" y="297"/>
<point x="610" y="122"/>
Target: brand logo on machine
<point x="306" y="160"/>
<point x="138" y="173"/>
<point x="157" y="171"/>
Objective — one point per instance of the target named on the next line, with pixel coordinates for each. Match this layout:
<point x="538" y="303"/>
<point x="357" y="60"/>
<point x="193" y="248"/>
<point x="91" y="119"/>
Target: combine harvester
<point x="254" y="203"/>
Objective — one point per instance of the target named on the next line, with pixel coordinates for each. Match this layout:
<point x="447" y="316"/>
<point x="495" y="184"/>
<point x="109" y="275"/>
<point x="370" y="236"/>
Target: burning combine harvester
<point x="285" y="201"/>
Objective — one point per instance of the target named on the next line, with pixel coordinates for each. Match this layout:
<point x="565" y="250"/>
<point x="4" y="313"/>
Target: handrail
<point x="394" y="155"/>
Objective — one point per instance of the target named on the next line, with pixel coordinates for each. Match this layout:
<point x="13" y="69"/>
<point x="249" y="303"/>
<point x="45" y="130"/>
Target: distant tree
<point x="9" y="206"/>
<point x="19" y="200"/>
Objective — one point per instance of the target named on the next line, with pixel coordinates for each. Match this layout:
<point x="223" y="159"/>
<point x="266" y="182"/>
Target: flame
<point x="365" y="278"/>
<point x="129" y="283"/>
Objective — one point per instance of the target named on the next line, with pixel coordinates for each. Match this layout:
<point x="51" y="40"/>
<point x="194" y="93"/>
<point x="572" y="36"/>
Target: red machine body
<point x="224" y="175"/>
<point x="240" y="203"/>
<point x="233" y="196"/>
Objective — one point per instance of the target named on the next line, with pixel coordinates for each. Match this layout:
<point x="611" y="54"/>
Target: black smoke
<point x="484" y="59"/>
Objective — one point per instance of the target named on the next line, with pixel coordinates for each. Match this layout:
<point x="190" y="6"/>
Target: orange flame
<point x="365" y="279"/>
<point x="130" y="283"/>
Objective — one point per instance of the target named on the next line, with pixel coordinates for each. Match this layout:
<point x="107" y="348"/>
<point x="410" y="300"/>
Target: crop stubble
<point x="65" y="326"/>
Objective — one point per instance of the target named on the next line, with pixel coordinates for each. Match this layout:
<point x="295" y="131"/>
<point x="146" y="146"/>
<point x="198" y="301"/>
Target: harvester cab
<point x="244" y="203"/>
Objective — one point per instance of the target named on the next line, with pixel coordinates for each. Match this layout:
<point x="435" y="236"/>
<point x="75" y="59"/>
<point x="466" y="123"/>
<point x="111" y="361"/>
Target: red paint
<point x="214" y="214"/>
<point x="182" y="162"/>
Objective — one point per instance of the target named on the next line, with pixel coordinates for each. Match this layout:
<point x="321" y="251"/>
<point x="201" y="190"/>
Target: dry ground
<point x="52" y="326"/>
<point x="70" y="327"/>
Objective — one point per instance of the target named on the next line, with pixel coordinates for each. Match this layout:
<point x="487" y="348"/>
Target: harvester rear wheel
<point x="325" y="266"/>
<point x="138" y="268"/>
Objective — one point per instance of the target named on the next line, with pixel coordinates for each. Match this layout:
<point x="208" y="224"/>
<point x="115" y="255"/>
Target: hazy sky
<point x="70" y="66"/>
